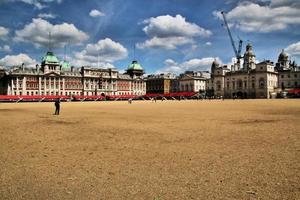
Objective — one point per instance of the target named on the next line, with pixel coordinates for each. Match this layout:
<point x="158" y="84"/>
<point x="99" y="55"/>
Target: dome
<point x="135" y="66"/>
<point x="214" y="65"/>
<point x="50" y="58"/>
<point x="283" y="56"/>
<point x="65" y="66"/>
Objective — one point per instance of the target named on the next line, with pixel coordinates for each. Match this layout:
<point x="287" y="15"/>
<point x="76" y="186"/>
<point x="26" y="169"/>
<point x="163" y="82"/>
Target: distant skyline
<point x="168" y="35"/>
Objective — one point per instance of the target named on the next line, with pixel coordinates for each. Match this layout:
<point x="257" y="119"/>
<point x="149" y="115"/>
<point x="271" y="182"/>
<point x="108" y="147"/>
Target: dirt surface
<point x="232" y="149"/>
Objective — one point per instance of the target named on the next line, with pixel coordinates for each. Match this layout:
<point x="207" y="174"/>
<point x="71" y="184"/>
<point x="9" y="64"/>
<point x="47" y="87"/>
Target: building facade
<point x="193" y="81"/>
<point x="251" y="81"/>
<point x="161" y="83"/>
<point x="288" y="73"/>
<point x="55" y="78"/>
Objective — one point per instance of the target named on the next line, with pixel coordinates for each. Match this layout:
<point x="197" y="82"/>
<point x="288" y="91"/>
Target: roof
<point x="65" y="65"/>
<point x="50" y="58"/>
<point x="135" y="65"/>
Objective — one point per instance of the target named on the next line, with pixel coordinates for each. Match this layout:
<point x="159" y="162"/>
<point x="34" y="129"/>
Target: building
<point x="252" y="81"/>
<point x="59" y="78"/>
<point x="288" y="73"/>
<point x="161" y="83"/>
<point x="193" y="81"/>
<point x="132" y="82"/>
<point x="189" y="81"/>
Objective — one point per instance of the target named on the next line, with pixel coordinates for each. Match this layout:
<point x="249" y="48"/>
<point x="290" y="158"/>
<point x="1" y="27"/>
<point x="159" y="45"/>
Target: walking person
<point x="57" y="107"/>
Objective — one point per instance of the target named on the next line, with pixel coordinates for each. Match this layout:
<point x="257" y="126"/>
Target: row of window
<point x="289" y="76"/>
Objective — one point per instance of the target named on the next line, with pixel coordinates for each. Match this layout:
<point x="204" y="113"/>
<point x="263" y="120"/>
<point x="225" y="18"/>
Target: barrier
<point x="42" y="98"/>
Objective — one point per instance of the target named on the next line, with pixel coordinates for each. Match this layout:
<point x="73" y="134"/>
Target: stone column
<point x="17" y="85"/>
<point x="59" y="86"/>
<point x="24" y="86"/>
<point x="50" y="89"/>
<point x="40" y="85"/>
<point x="64" y="87"/>
<point x="12" y="86"/>
<point x="45" y="86"/>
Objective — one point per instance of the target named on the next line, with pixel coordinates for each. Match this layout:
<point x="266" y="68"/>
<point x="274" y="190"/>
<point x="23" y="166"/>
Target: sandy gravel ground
<point x="242" y="149"/>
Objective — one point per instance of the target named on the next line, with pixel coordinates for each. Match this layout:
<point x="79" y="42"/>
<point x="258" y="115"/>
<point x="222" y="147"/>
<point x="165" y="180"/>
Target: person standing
<point x="57" y="107"/>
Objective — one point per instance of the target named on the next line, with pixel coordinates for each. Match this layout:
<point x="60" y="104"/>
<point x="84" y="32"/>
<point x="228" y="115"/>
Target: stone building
<point x="55" y="78"/>
<point x="288" y="73"/>
<point x="193" y="81"/>
<point x="252" y="81"/>
<point x="161" y="83"/>
<point x="132" y="82"/>
<point x="189" y="81"/>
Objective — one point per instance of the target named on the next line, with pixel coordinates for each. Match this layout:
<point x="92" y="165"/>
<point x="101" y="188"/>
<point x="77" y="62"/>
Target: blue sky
<point x="168" y="35"/>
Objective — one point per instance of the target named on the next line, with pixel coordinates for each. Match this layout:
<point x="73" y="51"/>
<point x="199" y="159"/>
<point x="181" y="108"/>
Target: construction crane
<point x="237" y="52"/>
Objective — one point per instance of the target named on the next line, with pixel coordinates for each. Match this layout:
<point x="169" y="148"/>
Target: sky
<point x="163" y="35"/>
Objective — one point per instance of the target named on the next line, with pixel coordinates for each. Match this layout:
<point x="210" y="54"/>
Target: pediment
<point x="52" y="74"/>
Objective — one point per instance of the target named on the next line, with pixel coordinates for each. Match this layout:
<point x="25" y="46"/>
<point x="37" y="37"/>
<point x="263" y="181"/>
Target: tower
<point x="249" y="58"/>
<point x="135" y="69"/>
<point x="283" y="61"/>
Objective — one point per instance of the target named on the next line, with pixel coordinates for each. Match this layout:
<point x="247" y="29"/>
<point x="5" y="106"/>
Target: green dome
<point x="50" y="58"/>
<point x="65" y="65"/>
<point x="135" y="65"/>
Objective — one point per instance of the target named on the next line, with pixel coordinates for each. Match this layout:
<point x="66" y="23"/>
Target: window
<point x="295" y="75"/>
<point x="282" y="76"/>
<point x="240" y="84"/>
<point x="261" y="83"/>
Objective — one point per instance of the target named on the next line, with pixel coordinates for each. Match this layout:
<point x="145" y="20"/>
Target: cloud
<point x="208" y="44"/>
<point x="39" y="4"/>
<point x="252" y="17"/>
<point x="96" y="13"/>
<point x="293" y="49"/>
<point x="104" y="51"/>
<point x="169" y="32"/>
<point x="5" y="48"/>
<point x="3" y="32"/>
<point x="196" y="64"/>
<point x="46" y="15"/>
<point x="37" y="32"/>
<point x="169" y="43"/>
<point x="281" y="3"/>
<point x="17" y="60"/>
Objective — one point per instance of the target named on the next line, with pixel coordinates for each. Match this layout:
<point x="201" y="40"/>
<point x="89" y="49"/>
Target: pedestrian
<point x="130" y="100"/>
<point x="57" y="106"/>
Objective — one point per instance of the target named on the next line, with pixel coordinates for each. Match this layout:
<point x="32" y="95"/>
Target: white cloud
<point x="196" y="64"/>
<point x="39" y="4"/>
<point x="169" y="32"/>
<point x="294" y="49"/>
<point x="5" y="48"/>
<point x="169" y="43"/>
<point x="37" y="32"/>
<point x="46" y="15"/>
<point x="104" y="51"/>
<point x="281" y="3"/>
<point x="3" y="32"/>
<point x="252" y="17"/>
<point x="208" y="43"/>
<point x="96" y="13"/>
<point x="17" y="60"/>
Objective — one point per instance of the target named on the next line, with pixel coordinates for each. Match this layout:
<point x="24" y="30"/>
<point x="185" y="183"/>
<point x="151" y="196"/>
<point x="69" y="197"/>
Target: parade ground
<point x="168" y="150"/>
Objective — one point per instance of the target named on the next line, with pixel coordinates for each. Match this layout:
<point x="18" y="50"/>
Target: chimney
<point x="23" y="66"/>
<point x="37" y="68"/>
<point x="72" y="69"/>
